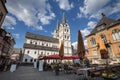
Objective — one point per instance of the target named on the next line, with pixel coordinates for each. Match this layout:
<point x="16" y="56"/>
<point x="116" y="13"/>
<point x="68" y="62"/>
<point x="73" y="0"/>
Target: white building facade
<point x="62" y="32"/>
<point x="38" y="45"/>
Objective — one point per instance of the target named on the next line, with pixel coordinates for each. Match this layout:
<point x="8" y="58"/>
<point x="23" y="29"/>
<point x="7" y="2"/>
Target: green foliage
<point x="110" y="75"/>
<point x="68" y="62"/>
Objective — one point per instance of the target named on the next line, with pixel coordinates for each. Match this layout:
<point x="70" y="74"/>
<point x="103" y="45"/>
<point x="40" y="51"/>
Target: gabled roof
<point x="107" y="22"/>
<point x="41" y="37"/>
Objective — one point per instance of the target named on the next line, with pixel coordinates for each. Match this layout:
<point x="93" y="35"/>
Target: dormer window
<point x="101" y="27"/>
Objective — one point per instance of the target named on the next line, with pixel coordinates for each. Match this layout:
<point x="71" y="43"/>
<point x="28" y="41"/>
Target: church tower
<point x="62" y="32"/>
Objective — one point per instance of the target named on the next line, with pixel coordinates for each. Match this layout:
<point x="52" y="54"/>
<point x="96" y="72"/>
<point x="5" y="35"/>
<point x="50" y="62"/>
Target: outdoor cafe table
<point x="83" y="71"/>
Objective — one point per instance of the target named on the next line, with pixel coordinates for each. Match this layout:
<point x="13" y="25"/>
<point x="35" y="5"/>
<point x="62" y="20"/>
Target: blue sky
<point x="40" y="16"/>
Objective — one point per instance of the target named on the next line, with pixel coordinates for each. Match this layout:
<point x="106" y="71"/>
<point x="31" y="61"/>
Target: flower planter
<point x="108" y="78"/>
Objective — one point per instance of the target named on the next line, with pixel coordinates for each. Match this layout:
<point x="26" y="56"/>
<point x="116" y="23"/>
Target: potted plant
<point x="109" y="76"/>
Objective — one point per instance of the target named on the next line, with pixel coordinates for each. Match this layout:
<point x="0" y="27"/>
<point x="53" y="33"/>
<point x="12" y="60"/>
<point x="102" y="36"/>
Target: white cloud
<point x="16" y="35"/>
<point x="46" y="31"/>
<point x="86" y="31"/>
<point x="65" y="4"/>
<point x="91" y="24"/>
<point x="91" y="6"/>
<point x="94" y="8"/>
<point x="46" y="19"/>
<point x="79" y="15"/>
<point x="74" y="44"/>
<point x="39" y="27"/>
<point x="52" y="33"/>
<point x="111" y="9"/>
<point x="27" y="11"/>
<point x="9" y="22"/>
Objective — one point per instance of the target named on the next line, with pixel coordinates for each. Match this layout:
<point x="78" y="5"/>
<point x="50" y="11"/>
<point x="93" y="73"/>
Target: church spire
<point x="57" y="24"/>
<point x="63" y="19"/>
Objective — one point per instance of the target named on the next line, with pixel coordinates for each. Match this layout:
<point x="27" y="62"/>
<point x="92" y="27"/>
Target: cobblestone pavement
<point x="29" y="73"/>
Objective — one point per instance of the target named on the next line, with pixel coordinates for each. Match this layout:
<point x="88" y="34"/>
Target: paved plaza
<point x="29" y="73"/>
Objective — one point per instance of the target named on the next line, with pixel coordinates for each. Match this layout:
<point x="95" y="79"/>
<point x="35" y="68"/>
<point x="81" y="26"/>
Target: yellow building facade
<point x="104" y="37"/>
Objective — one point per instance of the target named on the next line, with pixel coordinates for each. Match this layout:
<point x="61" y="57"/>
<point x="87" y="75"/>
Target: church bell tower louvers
<point x="62" y="32"/>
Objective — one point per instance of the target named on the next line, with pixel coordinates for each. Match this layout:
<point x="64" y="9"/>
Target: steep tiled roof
<point x="107" y="22"/>
<point x="32" y="46"/>
<point x="41" y="37"/>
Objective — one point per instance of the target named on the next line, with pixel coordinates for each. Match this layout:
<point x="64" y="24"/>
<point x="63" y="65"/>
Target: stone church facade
<point x="36" y="45"/>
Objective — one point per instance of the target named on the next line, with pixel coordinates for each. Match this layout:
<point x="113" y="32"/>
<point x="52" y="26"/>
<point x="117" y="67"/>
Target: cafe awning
<point x="56" y="56"/>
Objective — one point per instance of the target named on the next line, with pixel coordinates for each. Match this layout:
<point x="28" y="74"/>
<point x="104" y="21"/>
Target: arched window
<point x="31" y="42"/>
<point x="25" y="60"/>
<point x="35" y="52"/>
<point x="31" y="60"/>
<point x="103" y="37"/>
<point x="67" y="37"/>
<point x="67" y="30"/>
<point x="42" y="53"/>
<point x="28" y="52"/>
<point x="116" y="34"/>
<point x="93" y="42"/>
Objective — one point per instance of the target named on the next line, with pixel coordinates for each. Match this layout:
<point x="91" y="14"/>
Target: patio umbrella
<point x="103" y="49"/>
<point x="53" y="56"/>
<point x="61" y="50"/>
<point x="80" y="46"/>
<point x="75" y="56"/>
<point x="56" y="56"/>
